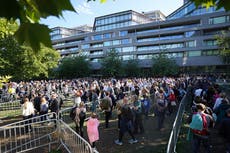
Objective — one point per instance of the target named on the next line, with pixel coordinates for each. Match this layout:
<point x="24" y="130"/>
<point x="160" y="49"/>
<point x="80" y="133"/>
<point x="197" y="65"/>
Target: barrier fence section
<point x="29" y="134"/>
<point x="11" y="108"/>
<point x="71" y="141"/>
<point x="171" y="148"/>
<point x="7" y="97"/>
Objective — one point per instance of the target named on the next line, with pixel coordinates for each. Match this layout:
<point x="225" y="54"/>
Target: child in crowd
<point x="92" y="131"/>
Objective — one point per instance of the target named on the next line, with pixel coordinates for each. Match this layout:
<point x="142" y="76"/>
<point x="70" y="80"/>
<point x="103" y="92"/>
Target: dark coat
<point x="224" y="129"/>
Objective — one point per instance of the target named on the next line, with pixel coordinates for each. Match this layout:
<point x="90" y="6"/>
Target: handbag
<point x="173" y="103"/>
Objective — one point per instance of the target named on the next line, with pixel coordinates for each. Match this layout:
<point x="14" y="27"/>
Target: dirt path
<point x="152" y="141"/>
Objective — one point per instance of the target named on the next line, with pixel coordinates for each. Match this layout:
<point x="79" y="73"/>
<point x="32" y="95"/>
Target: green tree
<point x="21" y="62"/>
<point x="73" y="67"/>
<point x="164" y="66"/>
<point x="112" y="64"/>
<point x="218" y="3"/>
<point x="223" y="42"/>
<point x="131" y="68"/>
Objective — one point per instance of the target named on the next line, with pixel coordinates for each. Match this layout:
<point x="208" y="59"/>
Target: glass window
<point x="210" y="52"/>
<point x="125" y="41"/>
<point x="98" y="22"/>
<point x="210" y="42"/>
<point x="194" y="53"/>
<point x="141" y="57"/>
<point x="127" y="49"/>
<point x="97" y="37"/>
<point x="127" y="57"/>
<point x="85" y="46"/>
<point x="116" y="42"/>
<point x="191" y="43"/>
<point x="86" y="38"/>
<point x="118" y="50"/>
<point x="144" y="48"/>
<point x="174" y="55"/>
<point x="98" y="52"/>
<point x="123" y="33"/>
<point x="85" y="52"/>
<point x="107" y="35"/>
<point x="189" y="33"/>
<point x="107" y="43"/>
<point x="217" y="20"/>
<point x="97" y="45"/>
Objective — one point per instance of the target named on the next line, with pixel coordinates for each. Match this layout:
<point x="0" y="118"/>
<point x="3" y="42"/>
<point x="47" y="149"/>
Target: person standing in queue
<point x="126" y="123"/>
<point x="80" y="118"/>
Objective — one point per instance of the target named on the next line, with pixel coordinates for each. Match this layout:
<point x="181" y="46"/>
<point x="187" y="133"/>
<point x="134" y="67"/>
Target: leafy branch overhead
<point x="218" y="3"/>
<point x="29" y="13"/>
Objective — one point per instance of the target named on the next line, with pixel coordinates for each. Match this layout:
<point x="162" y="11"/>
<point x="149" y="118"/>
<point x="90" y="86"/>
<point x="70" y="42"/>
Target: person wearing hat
<point x="224" y="130"/>
<point x="200" y="129"/>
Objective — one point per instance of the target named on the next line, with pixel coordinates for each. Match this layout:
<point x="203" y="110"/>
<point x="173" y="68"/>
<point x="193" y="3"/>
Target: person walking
<point x="92" y="131"/>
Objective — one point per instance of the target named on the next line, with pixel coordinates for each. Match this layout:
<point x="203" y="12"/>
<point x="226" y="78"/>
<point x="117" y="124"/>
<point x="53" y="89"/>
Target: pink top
<point x="92" y="129"/>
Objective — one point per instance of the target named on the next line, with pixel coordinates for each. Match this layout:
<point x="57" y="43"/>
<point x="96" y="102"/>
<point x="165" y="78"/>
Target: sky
<point x="87" y="11"/>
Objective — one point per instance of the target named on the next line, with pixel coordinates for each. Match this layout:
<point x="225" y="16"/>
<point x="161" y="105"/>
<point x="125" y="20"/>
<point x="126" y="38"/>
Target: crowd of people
<point x="131" y="99"/>
<point x="210" y="109"/>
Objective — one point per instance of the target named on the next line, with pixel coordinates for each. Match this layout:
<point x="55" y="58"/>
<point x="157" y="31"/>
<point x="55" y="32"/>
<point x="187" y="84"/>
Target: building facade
<point x="188" y="35"/>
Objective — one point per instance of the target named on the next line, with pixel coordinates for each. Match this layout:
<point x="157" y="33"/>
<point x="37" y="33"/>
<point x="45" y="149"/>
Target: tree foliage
<point x="112" y="64"/>
<point x="21" y="62"/>
<point x="164" y="66"/>
<point x="218" y="3"/>
<point x="131" y="68"/>
<point x="28" y="13"/>
<point x="223" y="42"/>
<point x="73" y="67"/>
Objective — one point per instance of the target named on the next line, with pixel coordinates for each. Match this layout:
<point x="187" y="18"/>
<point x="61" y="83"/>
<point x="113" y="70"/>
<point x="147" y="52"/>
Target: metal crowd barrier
<point x="42" y="133"/>
<point x="29" y="134"/>
<point x="7" y="97"/>
<point x="71" y="141"/>
<point x="64" y="115"/>
<point x="171" y="148"/>
<point x="11" y="108"/>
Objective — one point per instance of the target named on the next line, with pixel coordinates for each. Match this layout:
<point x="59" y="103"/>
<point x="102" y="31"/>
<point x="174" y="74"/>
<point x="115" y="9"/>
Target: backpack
<point x="127" y="113"/>
<point x="72" y="113"/>
<point x="199" y="124"/>
<point x="105" y="104"/>
<point x="144" y="105"/>
<point x="172" y="97"/>
<point x="82" y="115"/>
<point x="44" y="108"/>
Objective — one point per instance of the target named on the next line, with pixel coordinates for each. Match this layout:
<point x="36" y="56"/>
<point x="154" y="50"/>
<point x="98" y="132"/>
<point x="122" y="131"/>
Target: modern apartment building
<point x="188" y="35"/>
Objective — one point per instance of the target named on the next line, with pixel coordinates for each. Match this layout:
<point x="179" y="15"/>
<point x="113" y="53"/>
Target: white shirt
<point x="198" y="92"/>
<point x="27" y="109"/>
<point x="217" y="103"/>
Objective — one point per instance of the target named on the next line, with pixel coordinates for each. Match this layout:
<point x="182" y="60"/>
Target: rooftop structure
<point x="62" y="32"/>
<point x="156" y="15"/>
<point x="120" y="19"/>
